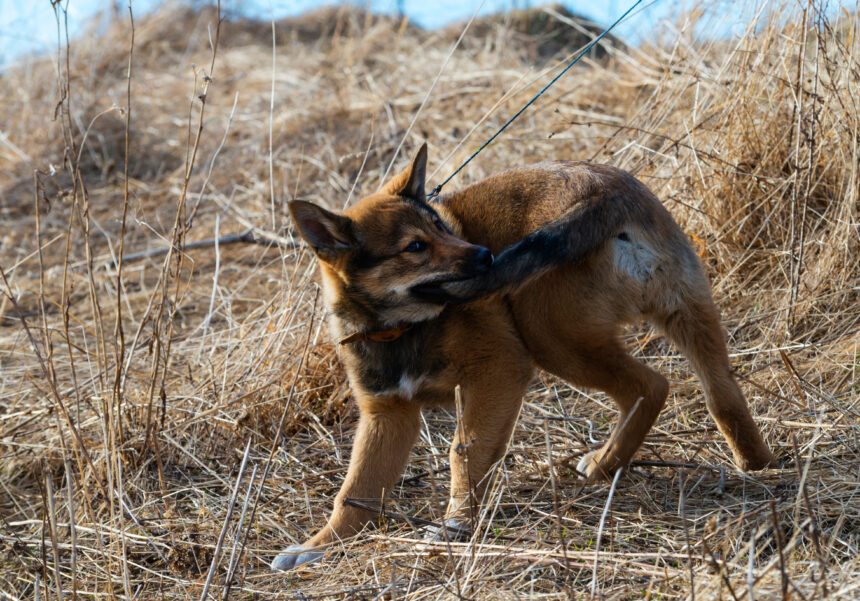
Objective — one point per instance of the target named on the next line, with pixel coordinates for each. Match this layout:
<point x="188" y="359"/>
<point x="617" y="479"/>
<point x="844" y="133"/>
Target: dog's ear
<point x="328" y="234"/>
<point x="410" y="182"/>
<point x="417" y="174"/>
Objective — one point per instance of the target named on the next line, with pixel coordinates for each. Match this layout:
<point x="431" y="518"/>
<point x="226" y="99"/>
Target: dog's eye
<point x="416" y="246"/>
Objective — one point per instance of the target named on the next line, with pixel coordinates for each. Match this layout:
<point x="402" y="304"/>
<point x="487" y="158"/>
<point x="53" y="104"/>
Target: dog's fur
<point x="581" y="250"/>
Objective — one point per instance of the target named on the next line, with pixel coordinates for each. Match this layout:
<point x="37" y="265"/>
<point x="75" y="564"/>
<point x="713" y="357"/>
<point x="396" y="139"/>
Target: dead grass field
<point x="128" y="397"/>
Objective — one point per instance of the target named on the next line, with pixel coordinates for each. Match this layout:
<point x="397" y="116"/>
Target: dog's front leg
<point x="484" y="427"/>
<point x="387" y="428"/>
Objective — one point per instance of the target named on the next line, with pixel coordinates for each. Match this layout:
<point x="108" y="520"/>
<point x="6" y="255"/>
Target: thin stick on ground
<point x="603" y="515"/>
<point x="551" y="464"/>
<point x="682" y="513"/>
<point x="234" y="557"/>
<point x="248" y="236"/>
<point x="216" y="555"/>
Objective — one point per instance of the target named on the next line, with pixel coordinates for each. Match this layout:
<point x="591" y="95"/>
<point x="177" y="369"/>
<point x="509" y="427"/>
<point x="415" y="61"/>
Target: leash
<point x="435" y="192"/>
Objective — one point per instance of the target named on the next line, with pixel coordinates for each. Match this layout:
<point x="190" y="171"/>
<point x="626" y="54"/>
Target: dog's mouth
<point x="447" y="290"/>
<point x="433" y="292"/>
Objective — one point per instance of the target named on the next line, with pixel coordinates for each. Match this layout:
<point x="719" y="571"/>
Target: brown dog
<point x="420" y="306"/>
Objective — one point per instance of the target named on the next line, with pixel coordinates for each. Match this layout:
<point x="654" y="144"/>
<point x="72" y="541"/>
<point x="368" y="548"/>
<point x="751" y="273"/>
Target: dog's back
<point x="504" y="208"/>
<point x="641" y="263"/>
<point x="569" y="317"/>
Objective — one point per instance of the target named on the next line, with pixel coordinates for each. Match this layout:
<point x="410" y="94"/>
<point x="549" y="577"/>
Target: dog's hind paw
<point x="455" y="531"/>
<point x="296" y="555"/>
<point x="586" y="465"/>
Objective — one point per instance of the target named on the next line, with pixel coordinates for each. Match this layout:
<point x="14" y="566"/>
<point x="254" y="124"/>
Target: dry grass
<point x="135" y="433"/>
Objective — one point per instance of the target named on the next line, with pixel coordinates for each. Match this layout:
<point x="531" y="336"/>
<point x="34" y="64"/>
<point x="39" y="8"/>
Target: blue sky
<point x="30" y="26"/>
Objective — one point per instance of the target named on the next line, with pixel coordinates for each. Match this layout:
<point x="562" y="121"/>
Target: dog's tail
<point x="567" y="239"/>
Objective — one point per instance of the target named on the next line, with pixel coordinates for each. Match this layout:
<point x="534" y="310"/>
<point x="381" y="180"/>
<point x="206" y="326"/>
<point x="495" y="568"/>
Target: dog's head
<point x="391" y="252"/>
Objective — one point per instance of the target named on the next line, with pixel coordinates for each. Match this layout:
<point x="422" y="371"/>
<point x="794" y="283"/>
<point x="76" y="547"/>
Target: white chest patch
<point x="406" y="387"/>
<point x="635" y="258"/>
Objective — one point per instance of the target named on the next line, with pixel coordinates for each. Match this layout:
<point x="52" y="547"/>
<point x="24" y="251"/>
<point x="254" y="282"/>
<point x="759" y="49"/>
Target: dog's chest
<point x="401" y="368"/>
<point x="407" y="386"/>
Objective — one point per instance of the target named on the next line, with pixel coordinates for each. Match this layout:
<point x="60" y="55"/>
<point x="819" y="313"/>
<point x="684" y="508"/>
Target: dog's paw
<point x="296" y="555"/>
<point x="455" y="531"/>
<point x="761" y="460"/>
<point x="587" y="466"/>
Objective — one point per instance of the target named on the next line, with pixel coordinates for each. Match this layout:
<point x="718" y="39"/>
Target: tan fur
<point x="565" y="321"/>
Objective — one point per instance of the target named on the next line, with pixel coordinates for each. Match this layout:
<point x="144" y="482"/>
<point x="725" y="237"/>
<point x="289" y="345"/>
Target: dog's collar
<point x="379" y="336"/>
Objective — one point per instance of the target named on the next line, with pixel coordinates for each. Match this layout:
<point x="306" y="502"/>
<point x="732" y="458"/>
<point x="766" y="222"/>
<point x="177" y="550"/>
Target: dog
<point x="535" y="267"/>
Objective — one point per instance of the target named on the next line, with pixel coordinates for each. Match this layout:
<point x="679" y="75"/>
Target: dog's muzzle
<point x="433" y="292"/>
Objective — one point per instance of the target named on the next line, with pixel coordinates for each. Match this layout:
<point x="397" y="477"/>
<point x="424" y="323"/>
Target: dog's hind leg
<point x="695" y="328"/>
<point x="387" y="429"/>
<point x="599" y="361"/>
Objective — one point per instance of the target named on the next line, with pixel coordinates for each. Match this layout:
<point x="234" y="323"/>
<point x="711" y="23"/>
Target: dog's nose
<point x="484" y="259"/>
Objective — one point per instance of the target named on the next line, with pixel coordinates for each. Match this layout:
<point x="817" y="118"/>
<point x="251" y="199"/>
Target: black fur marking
<point x="430" y="293"/>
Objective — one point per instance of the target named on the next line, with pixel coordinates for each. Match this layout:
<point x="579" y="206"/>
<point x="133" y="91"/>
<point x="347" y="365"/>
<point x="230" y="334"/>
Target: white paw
<point x="456" y="531"/>
<point x="294" y="556"/>
<point x="582" y="466"/>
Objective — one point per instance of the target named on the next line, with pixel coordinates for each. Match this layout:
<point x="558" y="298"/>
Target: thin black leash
<point x="435" y="192"/>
